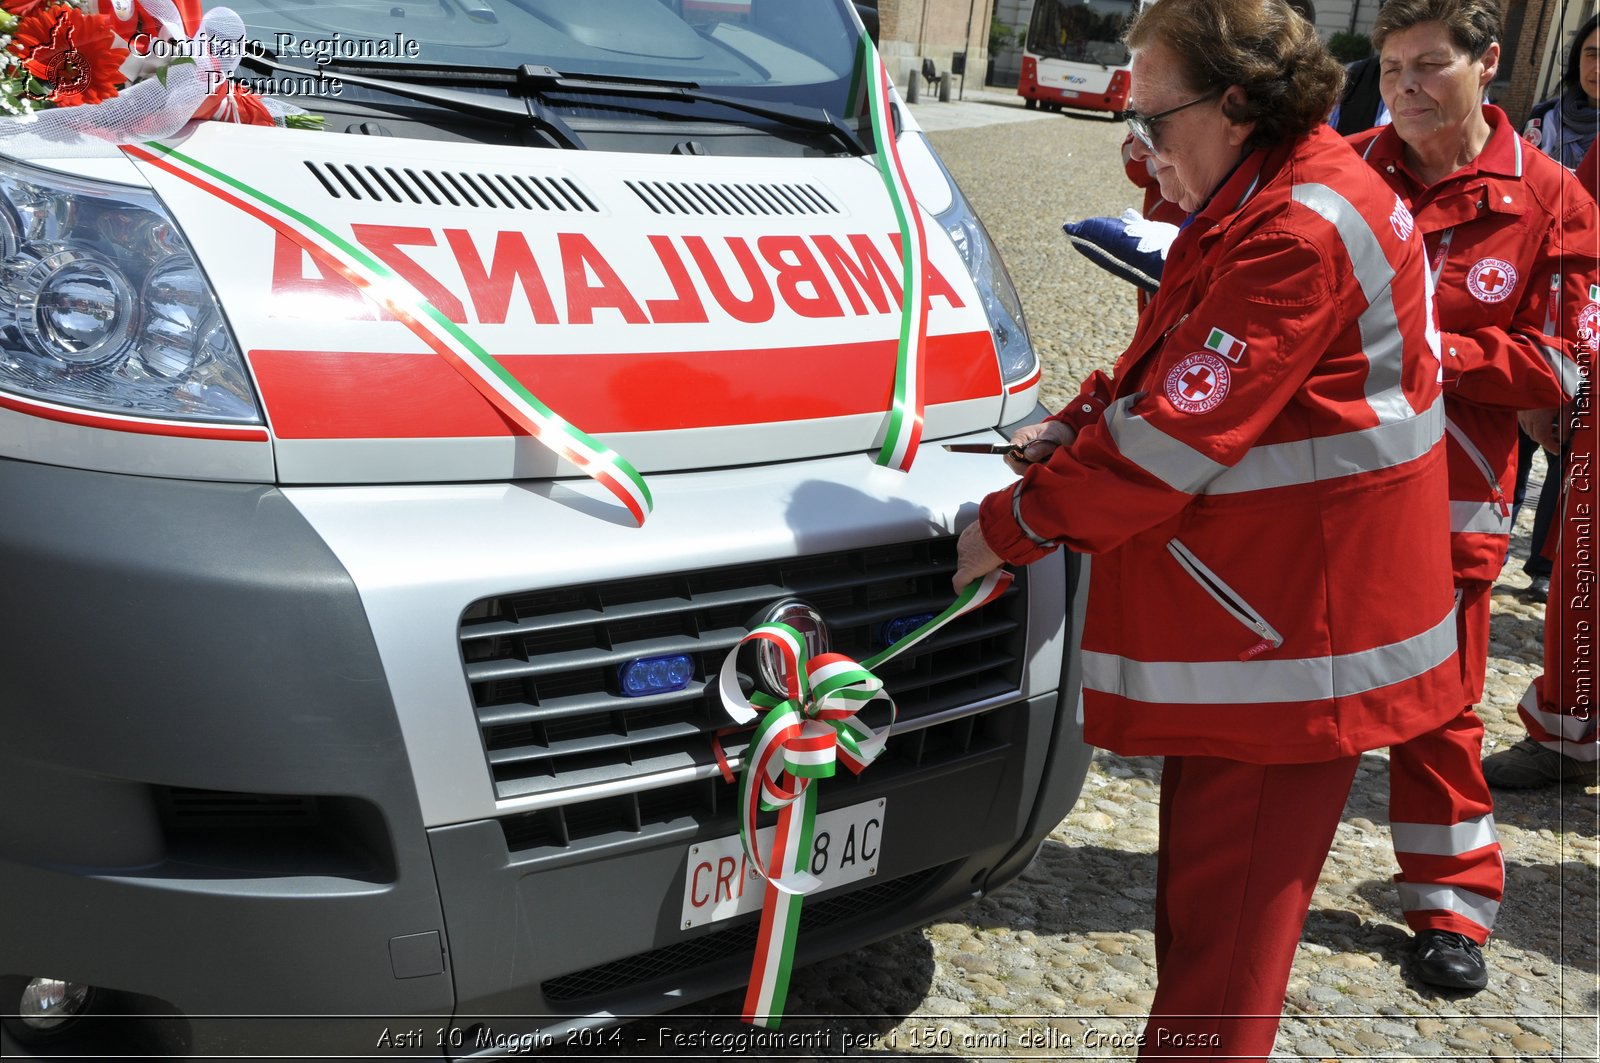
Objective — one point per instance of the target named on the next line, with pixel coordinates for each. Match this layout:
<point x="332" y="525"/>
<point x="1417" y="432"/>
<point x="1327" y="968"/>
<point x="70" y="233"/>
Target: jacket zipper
<point x="1472" y="452"/>
<point x="1229" y="599"/>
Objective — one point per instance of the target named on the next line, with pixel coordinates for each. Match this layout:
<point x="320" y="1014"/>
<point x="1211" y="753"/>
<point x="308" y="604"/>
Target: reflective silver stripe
<point x="1329" y="457"/>
<point x="1262" y="468"/>
<point x="1022" y="525"/>
<point x="1428" y="897"/>
<point x="1565" y="369"/>
<point x="1484" y="518"/>
<point x="1570" y="728"/>
<point x="1262" y="682"/>
<point x="1169" y="460"/>
<point x="1433" y="839"/>
<point x="1381" y="338"/>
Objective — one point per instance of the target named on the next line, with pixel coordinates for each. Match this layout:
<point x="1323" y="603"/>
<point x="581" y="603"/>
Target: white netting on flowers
<point x="151" y="107"/>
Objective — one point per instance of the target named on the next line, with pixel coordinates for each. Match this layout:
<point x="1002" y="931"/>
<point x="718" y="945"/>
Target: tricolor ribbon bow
<point x="801" y="738"/>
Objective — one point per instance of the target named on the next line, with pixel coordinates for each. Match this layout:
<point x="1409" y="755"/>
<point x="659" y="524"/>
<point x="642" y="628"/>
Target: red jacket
<point x="1263" y="484"/>
<point x="1512" y="240"/>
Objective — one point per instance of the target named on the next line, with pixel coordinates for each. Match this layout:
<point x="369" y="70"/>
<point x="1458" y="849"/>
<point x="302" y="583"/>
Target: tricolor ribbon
<point x="801" y="738"/>
<point x="904" y="433"/>
<point x="446" y="338"/>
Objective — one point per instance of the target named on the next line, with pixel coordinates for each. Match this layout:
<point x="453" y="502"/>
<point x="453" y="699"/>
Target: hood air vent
<point x="453" y="188"/>
<point x="682" y="197"/>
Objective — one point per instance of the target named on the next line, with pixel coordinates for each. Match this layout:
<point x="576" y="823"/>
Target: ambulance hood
<point x="687" y="311"/>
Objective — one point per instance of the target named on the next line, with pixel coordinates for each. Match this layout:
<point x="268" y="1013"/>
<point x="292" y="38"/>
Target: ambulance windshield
<point x="795" y="51"/>
<point x="755" y="77"/>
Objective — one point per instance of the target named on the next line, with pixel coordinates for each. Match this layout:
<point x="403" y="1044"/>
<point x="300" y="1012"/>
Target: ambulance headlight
<point x="995" y="290"/>
<point x="75" y="308"/>
<point x="103" y="307"/>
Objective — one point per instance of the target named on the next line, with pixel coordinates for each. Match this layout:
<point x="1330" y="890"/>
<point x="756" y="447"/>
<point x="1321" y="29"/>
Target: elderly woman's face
<point x="1430" y="84"/>
<point x="1196" y="147"/>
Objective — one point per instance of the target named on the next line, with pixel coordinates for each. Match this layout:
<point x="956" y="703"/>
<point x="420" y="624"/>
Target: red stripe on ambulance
<point x="359" y="395"/>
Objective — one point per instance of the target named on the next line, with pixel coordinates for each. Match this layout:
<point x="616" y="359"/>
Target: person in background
<point x="1261" y="485"/>
<point x="1511" y="242"/>
<point x="1361" y="106"/>
<point x="1559" y="708"/>
<point x="1564" y="128"/>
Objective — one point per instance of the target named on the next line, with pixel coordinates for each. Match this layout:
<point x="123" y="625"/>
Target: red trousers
<point x="1241" y="848"/>
<point x="1441" y="813"/>
<point x="1560" y="707"/>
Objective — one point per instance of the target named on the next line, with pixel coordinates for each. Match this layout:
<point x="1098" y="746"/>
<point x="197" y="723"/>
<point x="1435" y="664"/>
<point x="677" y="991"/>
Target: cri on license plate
<point x="720" y="881"/>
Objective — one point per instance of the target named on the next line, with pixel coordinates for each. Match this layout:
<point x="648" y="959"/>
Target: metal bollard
<point x="911" y="87"/>
<point x="944" y="87"/>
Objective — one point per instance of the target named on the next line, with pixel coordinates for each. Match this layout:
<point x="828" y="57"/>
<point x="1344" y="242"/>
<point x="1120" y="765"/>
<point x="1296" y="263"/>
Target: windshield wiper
<point x="525" y="109"/>
<point x="543" y="78"/>
<point x="531" y="80"/>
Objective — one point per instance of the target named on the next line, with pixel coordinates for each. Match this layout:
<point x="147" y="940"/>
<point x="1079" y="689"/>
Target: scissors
<point x="1008" y="449"/>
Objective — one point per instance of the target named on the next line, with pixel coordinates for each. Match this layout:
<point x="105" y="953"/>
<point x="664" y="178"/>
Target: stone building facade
<point x="940" y="30"/>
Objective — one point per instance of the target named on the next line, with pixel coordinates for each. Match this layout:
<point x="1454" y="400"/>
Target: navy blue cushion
<point x="1109" y="244"/>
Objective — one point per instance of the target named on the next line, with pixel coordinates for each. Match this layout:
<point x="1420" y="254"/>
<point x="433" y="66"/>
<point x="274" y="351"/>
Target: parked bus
<point x="1074" y="55"/>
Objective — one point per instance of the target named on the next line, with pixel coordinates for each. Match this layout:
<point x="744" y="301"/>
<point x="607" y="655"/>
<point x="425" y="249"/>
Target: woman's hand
<point x="974" y="559"/>
<point x="1543" y="427"/>
<point x="1037" y="442"/>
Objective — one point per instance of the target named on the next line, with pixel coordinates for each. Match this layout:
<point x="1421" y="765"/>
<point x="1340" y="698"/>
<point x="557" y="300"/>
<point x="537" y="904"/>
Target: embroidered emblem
<point x="1491" y="280"/>
<point x="1198" y="383"/>
<point x="1589" y="322"/>
<point x="1400" y="218"/>
<point x="1229" y="347"/>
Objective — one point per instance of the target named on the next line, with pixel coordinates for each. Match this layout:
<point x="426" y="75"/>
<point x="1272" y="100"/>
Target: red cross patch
<point x="1491" y="280"/>
<point x="1198" y="383"/>
<point x="1589" y="319"/>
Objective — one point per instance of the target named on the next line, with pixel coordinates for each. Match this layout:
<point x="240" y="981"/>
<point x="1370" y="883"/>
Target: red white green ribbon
<point x="801" y="738"/>
<point x="445" y="337"/>
<point x="905" y="414"/>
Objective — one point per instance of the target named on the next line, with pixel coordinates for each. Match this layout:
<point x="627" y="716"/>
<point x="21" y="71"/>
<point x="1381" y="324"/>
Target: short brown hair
<point x="1290" y="81"/>
<point x="1473" y="24"/>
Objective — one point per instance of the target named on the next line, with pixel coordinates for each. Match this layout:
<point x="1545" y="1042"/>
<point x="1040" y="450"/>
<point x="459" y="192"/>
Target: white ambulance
<point x="336" y="705"/>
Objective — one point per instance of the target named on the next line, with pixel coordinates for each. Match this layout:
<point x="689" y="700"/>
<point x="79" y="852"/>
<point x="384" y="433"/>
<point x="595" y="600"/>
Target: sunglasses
<point x="1143" y="126"/>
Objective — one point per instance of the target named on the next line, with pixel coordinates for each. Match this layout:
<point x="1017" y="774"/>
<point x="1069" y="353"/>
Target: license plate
<point x="720" y="882"/>
<point x="1070" y="94"/>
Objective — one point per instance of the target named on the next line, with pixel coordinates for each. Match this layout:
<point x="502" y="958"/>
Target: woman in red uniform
<point x="1560" y="708"/>
<point x="1511" y="240"/>
<point x="1261" y="484"/>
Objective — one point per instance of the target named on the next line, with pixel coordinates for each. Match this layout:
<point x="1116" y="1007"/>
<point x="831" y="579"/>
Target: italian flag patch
<point x="1225" y="345"/>
<point x="1594" y="293"/>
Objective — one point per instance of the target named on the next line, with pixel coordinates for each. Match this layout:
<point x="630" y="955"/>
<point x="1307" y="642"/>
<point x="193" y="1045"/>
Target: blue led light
<point x="901" y="626"/>
<point x="644" y="676"/>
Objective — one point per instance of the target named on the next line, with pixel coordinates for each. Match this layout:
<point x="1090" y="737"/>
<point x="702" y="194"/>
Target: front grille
<point x="184" y="808"/>
<point x="542" y="665"/>
<point x="709" y="804"/>
<point x="727" y="197"/>
<point x="735" y="941"/>
<point x="423" y="186"/>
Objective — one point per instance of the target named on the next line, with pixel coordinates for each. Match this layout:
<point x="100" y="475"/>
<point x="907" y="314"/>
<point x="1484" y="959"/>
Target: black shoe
<point x="1538" y="588"/>
<point x="1451" y="960"/>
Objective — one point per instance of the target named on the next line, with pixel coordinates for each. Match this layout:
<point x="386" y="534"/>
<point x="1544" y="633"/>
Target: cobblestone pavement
<point x="1060" y="964"/>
